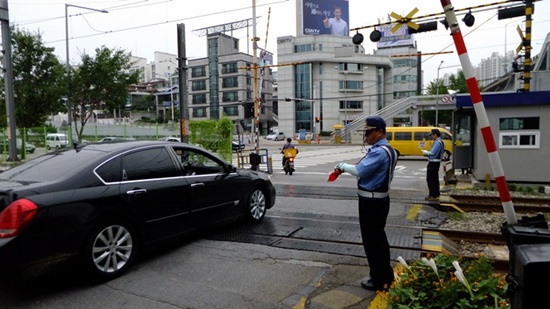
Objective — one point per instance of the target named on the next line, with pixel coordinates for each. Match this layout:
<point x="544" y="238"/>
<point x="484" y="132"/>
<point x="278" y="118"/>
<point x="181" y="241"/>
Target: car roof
<point x="88" y="154"/>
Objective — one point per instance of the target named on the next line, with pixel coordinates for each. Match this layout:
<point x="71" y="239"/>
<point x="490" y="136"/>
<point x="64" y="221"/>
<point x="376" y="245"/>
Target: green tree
<point x="456" y="82"/>
<point x="100" y="83"/>
<point x="38" y="80"/>
<point x="143" y="102"/>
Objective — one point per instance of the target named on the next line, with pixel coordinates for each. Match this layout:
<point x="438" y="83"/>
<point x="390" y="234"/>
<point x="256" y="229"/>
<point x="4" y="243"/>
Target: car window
<point x="402" y="136"/>
<point x="148" y="164"/>
<point x="446" y="136"/>
<point x="197" y="163"/>
<point x="418" y="136"/>
<point x="111" y="171"/>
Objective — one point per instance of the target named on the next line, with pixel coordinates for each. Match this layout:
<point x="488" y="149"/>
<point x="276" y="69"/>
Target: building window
<point x="198" y="72"/>
<point x="351" y="85"/>
<point x="231" y="110"/>
<point x="229" y="68"/>
<point x="404" y="79"/>
<point x="303" y="48"/>
<point x="519" y="132"/>
<point x="522" y="123"/>
<point x="517" y="140"/>
<point x="230" y="97"/>
<point x="198" y="85"/>
<point x="358" y="105"/>
<point x="199" y="98"/>
<point x="230" y="82"/>
<point x="351" y="67"/>
<point x="199" y="112"/>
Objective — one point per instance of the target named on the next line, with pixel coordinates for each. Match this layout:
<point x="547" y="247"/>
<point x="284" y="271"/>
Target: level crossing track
<point x="492" y="203"/>
<point x="339" y="234"/>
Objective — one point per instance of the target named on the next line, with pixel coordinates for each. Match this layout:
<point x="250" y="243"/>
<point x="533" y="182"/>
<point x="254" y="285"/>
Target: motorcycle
<point x="290" y="155"/>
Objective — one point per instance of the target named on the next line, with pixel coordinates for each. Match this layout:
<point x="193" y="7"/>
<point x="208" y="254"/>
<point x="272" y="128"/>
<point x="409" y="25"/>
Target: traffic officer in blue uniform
<point x="435" y="154"/>
<point x="374" y="175"/>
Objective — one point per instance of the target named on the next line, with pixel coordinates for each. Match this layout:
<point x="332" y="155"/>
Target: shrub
<point x="447" y="282"/>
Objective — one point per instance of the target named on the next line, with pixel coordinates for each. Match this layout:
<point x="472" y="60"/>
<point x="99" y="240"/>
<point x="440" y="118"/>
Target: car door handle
<point x="197" y="184"/>
<point x="136" y="192"/>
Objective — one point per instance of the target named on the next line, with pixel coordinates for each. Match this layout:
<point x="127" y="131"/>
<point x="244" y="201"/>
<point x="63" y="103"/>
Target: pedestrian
<point x="336" y="24"/>
<point x="285" y="146"/>
<point x="434" y="161"/>
<point x="374" y="174"/>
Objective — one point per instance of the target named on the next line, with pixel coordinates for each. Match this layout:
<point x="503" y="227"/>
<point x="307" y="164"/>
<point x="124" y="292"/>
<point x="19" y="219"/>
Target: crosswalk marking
<point x="305" y="158"/>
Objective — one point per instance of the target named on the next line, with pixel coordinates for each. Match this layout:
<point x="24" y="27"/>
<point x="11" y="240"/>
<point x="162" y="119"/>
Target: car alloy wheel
<point x="110" y="251"/>
<point x="256" y="205"/>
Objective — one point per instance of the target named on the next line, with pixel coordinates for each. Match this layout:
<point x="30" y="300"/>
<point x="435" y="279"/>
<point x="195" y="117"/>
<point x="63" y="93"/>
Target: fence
<point x="244" y="159"/>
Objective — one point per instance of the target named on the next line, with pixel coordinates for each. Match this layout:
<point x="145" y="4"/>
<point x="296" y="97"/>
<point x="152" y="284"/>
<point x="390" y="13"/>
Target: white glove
<point x="348" y="168"/>
<point x="425" y="152"/>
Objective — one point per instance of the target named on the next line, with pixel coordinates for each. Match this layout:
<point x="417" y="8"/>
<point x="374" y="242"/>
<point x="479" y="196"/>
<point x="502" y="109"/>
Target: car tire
<point x="256" y="205"/>
<point x="48" y="147"/>
<point x="109" y="251"/>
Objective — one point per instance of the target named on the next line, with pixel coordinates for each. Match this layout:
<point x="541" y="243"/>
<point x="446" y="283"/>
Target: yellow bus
<point x="409" y="141"/>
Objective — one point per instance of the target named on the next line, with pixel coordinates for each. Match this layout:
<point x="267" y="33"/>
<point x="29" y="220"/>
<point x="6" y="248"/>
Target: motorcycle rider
<point x="286" y="146"/>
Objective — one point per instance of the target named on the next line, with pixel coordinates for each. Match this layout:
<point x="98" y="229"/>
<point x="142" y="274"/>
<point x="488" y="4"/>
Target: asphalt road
<point x="203" y="273"/>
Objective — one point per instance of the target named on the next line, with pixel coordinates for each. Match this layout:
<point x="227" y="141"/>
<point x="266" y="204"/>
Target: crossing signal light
<point x="317" y="119"/>
<point x="425" y="27"/>
<point x="512" y="12"/>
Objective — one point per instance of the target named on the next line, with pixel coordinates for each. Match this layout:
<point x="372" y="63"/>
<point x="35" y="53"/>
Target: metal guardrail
<point x="243" y="159"/>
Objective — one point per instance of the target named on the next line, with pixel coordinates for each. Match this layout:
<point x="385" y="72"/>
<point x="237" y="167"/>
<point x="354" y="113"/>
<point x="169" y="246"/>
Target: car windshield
<point x="49" y="167"/>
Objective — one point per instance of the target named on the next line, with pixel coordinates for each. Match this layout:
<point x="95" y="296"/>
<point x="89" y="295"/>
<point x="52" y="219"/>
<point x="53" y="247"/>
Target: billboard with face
<point x="325" y="17"/>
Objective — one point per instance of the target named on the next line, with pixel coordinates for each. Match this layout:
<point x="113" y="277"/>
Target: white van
<point x="56" y="140"/>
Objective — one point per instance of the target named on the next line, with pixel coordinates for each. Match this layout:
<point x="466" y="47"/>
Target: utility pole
<point x="255" y="40"/>
<point x="182" y="72"/>
<point x="8" y="80"/>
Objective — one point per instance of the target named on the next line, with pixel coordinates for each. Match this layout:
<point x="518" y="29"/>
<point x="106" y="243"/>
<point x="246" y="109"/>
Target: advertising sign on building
<point x="325" y="17"/>
<point x="400" y="37"/>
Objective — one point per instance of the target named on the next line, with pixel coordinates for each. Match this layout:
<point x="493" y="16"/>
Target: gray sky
<point x="143" y="27"/>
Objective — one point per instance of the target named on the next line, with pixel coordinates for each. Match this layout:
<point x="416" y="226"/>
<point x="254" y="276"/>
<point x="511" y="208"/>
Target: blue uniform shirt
<point x="373" y="168"/>
<point x="435" y="153"/>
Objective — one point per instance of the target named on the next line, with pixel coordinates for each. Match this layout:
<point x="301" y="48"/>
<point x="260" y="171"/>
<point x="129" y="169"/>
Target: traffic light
<point x="425" y="27"/>
<point x="317" y="119"/>
<point x="511" y="12"/>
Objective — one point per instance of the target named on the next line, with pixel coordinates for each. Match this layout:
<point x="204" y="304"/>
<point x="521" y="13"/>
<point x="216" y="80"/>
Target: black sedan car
<point x="101" y="204"/>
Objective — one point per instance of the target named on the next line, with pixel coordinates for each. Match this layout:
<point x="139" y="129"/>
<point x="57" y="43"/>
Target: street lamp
<point x="437" y="95"/>
<point x="69" y="107"/>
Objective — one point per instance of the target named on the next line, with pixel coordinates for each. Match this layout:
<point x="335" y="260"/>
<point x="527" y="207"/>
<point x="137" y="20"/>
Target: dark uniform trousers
<point x="373" y="213"/>
<point x="432" y="178"/>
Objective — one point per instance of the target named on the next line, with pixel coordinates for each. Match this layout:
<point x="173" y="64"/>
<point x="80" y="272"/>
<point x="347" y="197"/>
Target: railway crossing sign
<point x="404" y="20"/>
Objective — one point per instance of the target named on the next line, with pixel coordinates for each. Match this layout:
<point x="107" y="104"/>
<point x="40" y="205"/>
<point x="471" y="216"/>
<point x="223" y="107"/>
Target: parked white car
<point x="276" y="136"/>
<point x="170" y="139"/>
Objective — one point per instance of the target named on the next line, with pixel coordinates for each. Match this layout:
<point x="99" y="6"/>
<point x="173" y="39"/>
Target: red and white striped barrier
<point x="481" y="114"/>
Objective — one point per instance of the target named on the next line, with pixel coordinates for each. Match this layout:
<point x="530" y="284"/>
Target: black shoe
<point x="368" y="285"/>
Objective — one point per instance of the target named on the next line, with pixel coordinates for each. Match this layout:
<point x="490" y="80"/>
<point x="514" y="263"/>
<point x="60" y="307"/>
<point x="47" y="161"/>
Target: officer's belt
<point x="372" y="194"/>
<point x="434" y="160"/>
